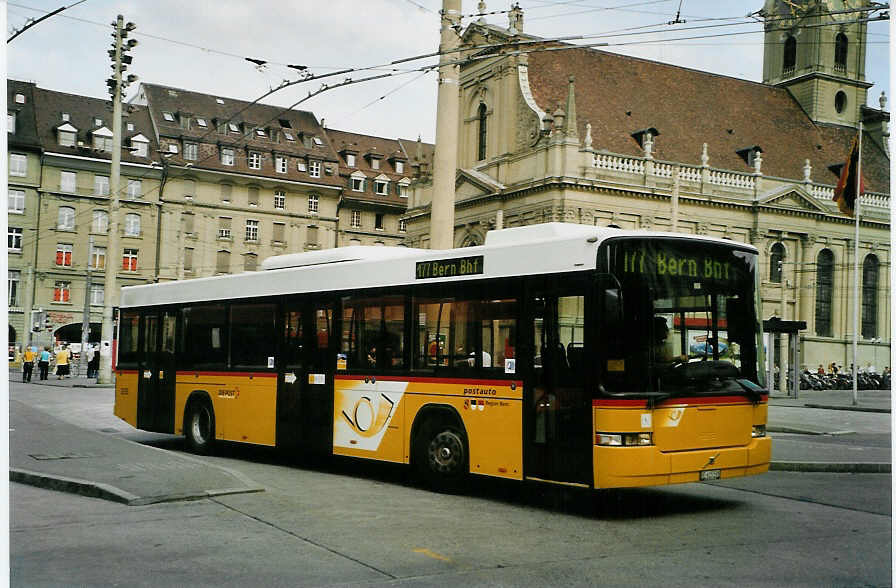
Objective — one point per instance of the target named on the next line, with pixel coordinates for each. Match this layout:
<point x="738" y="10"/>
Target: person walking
<point x="43" y="363"/>
<point x="62" y="358"/>
<point x="28" y="363"/>
<point x="93" y="362"/>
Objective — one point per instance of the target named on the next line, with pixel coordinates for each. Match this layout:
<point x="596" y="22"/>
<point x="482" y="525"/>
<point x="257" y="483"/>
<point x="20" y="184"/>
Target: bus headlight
<point x="623" y="439"/>
<point x="758" y="430"/>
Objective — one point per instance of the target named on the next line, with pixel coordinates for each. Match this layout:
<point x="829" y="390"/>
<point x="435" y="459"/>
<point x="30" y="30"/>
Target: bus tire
<point x="442" y="454"/>
<point x="199" y="426"/>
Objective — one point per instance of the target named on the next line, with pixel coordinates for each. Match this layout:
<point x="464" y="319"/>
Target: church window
<point x="789" y="54"/>
<point x="840" y="101"/>
<point x="482" y="132"/>
<point x="824" y="282"/>
<point x="775" y="263"/>
<point x="869" y="297"/>
<point x="841" y="50"/>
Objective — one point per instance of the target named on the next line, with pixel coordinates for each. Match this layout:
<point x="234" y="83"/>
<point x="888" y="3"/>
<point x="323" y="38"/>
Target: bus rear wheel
<point x="199" y="427"/>
<point x="442" y="455"/>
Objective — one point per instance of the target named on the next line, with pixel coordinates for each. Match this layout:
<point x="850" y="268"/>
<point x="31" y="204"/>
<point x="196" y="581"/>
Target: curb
<point x="831" y="467"/>
<point x="801" y="431"/>
<point x="109" y="492"/>
<point x="853" y="408"/>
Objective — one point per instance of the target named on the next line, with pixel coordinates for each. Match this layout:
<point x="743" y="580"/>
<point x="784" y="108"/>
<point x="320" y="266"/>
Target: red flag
<point x="845" y="193"/>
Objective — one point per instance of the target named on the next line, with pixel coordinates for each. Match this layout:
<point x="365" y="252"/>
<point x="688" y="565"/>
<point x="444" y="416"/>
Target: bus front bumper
<point x="626" y="467"/>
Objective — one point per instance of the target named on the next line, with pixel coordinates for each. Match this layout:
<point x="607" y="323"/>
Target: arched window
<point x="840" y="101"/>
<point x="841" y="51"/>
<point x="870" y="269"/>
<point x="789" y="54"/>
<point x="824" y="290"/>
<point x="776" y="259"/>
<point x="132" y="225"/>
<point x="66" y="218"/>
<point x="482" y="132"/>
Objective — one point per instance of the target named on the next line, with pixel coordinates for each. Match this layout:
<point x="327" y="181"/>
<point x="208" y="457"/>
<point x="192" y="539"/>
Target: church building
<point x="553" y="132"/>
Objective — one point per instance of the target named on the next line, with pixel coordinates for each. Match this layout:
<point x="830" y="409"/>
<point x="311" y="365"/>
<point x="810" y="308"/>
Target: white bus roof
<point x="530" y="250"/>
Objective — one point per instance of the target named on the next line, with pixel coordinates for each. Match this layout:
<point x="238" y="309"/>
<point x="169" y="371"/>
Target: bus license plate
<point x="709" y="475"/>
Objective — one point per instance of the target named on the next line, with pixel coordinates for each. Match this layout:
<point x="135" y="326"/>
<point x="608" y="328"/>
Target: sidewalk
<point x="51" y="453"/>
<point x="868" y="400"/>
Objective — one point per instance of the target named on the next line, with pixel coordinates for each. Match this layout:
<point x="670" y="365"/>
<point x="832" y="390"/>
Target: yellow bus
<point x="576" y="355"/>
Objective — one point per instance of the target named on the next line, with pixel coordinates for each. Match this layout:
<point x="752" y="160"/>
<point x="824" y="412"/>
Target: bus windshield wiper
<point x="752" y="390"/>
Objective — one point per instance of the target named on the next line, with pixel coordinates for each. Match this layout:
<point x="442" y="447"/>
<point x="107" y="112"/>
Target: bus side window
<point x="128" y="338"/>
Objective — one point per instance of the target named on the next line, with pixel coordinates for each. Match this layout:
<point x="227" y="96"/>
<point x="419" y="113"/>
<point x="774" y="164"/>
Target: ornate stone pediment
<point x="793" y="198"/>
<point x="471" y="183"/>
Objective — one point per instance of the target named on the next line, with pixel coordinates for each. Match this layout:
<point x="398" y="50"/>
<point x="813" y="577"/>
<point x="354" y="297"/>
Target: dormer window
<point x="350" y="159"/>
<point x="20" y="99"/>
<point x="130" y="126"/>
<point x="102" y="139"/>
<point x="66" y="117"/>
<point x="288" y="135"/>
<point x="233" y="127"/>
<point x="219" y="100"/>
<point x="399" y="167"/>
<point x="375" y="163"/>
<point x="140" y="146"/>
<point x="173" y="148"/>
<point x="748" y="154"/>
<point x="260" y="133"/>
<point x="97" y="122"/>
<point x="318" y="141"/>
<point x="66" y="135"/>
<point x="381" y="185"/>
<point x="169" y="116"/>
<point x="358" y="181"/>
<point x="201" y="122"/>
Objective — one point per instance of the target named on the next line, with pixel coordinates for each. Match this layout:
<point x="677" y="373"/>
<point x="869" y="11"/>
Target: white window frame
<point x="11" y="122"/>
<point x="357" y="184"/>
<point x="381" y="217"/>
<point x="97" y="295"/>
<point x="18" y="165"/>
<point x="68" y="182"/>
<point x="251" y="230"/>
<point x="301" y="165"/>
<point x="169" y="116"/>
<point x="64" y="248"/>
<point x="101" y="143"/>
<point x="14" y="238"/>
<point x="100" y="185"/>
<point x="254" y="160"/>
<point x="227" y="155"/>
<point x="288" y="134"/>
<point x="67" y="138"/>
<point x="201" y="122"/>
<point x="135" y="189"/>
<point x="100" y="222"/>
<point x="132" y="223"/>
<point x="97" y="255"/>
<point x="20" y="99"/>
<point x="62" y="288"/>
<point x="375" y="163"/>
<point x="282" y="164"/>
<point x="191" y="151"/>
<point x="350" y="159"/>
<point x="16" y="203"/>
<point x="12" y="283"/>
<point x="279" y="200"/>
<point x="313" y="203"/>
<point x="130" y="253"/>
<point x="402" y="225"/>
<point x="381" y="187"/>
<point x="314" y="169"/>
<point x="140" y="149"/>
<point x="399" y="167"/>
<point x="233" y="127"/>
<point x="356" y="219"/>
<point x="65" y="218"/>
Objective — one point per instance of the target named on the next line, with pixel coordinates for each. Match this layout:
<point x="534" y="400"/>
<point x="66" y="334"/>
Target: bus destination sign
<point x="449" y="268"/>
<point x="671" y="263"/>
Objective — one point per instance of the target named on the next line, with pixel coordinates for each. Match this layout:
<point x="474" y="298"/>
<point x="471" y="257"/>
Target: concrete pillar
<point x="448" y="108"/>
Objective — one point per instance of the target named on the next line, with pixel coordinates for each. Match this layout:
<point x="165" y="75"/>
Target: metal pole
<point x="441" y="233"/>
<point x="85" y="317"/>
<point x="855" y="280"/>
<point x="110" y="286"/>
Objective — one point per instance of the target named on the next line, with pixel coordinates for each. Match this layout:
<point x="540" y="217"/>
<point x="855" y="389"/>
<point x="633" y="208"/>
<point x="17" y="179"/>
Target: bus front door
<point x="305" y="388"/>
<point x="156" y="388"/>
<point x="559" y="439"/>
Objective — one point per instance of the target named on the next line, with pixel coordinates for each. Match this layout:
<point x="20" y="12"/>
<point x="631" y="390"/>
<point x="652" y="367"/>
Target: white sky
<point x="67" y="52"/>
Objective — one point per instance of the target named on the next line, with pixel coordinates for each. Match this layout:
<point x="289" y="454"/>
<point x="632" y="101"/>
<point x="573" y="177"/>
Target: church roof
<point x="620" y="95"/>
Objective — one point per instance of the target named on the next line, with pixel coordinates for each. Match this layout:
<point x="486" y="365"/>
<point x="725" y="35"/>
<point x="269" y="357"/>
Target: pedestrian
<point x="62" y="358"/>
<point x="820" y="370"/>
<point x="93" y="362"/>
<point x="28" y="363"/>
<point x="43" y="362"/>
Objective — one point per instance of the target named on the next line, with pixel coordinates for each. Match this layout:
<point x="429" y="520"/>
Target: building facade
<point x="586" y="136"/>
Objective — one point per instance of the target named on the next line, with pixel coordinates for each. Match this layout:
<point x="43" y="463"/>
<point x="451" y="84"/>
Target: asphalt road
<point x="348" y="523"/>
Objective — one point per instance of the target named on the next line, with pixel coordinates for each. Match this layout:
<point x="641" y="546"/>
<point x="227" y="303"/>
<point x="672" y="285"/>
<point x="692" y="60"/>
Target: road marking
<point x="432" y="554"/>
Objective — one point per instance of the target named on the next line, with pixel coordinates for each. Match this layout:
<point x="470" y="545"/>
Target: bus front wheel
<point x="199" y="427"/>
<point x="442" y="455"/>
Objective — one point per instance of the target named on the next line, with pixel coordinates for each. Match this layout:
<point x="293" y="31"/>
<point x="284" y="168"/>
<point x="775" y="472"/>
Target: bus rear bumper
<point x="626" y="467"/>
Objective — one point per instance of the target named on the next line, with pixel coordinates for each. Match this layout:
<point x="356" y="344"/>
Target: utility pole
<point x="116" y="88"/>
<point x="441" y="232"/>
<point x="85" y="316"/>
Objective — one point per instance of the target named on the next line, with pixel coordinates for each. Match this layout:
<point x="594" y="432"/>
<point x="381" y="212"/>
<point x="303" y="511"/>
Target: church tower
<point x="816" y="49"/>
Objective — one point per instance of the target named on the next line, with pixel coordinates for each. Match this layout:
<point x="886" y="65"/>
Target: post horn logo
<point x="368" y="419"/>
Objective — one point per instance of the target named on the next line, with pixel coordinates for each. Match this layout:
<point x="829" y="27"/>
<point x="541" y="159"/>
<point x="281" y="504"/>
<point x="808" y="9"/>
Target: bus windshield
<point x="678" y="316"/>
